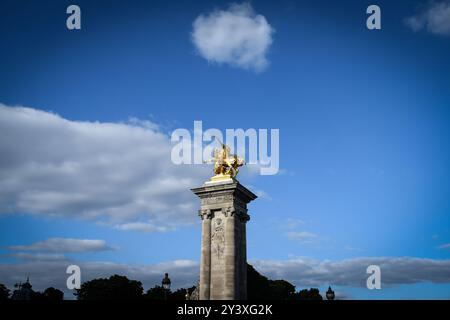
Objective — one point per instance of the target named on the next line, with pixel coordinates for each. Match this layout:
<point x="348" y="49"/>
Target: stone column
<point x="223" y="263"/>
<point x="205" y="264"/>
<point x="243" y="225"/>
<point x="230" y="258"/>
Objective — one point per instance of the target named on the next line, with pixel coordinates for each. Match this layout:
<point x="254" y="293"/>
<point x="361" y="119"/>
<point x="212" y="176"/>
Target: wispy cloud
<point x="64" y="245"/>
<point x="292" y="223"/>
<point x="445" y="246"/>
<point x="261" y="194"/>
<point x="303" y="237"/>
<point x="435" y="18"/>
<point x="352" y="248"/>
<point x="237" y="36"/>
<point x="141" y="226"/>
<point x="293" y="229"/>
<point x="38" y="256"/>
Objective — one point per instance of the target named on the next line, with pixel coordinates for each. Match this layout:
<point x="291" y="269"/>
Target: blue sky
<point x="363" y="119"/>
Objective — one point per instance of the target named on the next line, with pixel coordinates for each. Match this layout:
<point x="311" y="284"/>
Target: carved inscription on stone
<point x="216" y="199"/>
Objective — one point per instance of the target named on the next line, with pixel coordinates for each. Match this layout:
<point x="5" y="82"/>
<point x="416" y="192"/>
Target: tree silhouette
<point x="281" y="289"/>
<point x="311" y="294"/>
<point x="4" y="292"/>
<point x="261" y="288"/>
<point x="156" y="293"/>
<point x="114" y="288"/>
<point x="53" y="294"/>
<point x="257" y="285"/>
<point x="179" y="294"/>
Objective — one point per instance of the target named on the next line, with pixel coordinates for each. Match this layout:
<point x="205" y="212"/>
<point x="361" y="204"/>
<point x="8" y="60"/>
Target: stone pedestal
<point x="223" y="264"/>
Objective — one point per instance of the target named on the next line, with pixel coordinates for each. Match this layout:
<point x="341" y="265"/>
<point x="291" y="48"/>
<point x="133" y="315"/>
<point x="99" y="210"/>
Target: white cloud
<point x="302" y="236"/>
<point x="352" y="248"/>
<point x="237" y="36"/>
<point x="292" y="223"/>
<point x="140" y="226"/>
<point x="435" y="18"/>
<point x="38" y="256"/>
<point x="112" y="173"/>
<point x="305" y="272"/>
<point x="261" y="194"/>
<point x="291" y="230"/>
<point x="64" y="245"/>
<point x="445" y="246"/>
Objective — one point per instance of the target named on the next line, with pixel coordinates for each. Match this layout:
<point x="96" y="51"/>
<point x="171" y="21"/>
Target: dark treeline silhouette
<point x="48" y="294"/>
<point x="4" y="292"/>
<point x="24" y="291"/>
<point x="258" y="288"/>
<point x="115" y="287"/>
<point x="119" y="287"/>
<point x="157" y="293"/>
<point x="261" y="288"/>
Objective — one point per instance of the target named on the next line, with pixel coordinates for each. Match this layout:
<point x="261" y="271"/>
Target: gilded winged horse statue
<point x="226" y="165"/>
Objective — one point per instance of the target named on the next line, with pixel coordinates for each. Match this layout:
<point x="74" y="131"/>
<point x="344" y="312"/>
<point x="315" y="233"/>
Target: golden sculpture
<point x="226" y="165"/>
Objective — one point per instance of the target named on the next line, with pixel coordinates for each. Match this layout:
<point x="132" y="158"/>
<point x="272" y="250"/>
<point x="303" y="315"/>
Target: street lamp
<point x="166" y="284"/>
<point x="330" y="294"/>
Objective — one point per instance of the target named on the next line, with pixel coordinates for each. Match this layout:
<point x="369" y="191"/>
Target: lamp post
<point x="330" y="294"/>
<point x="166" y="284"/>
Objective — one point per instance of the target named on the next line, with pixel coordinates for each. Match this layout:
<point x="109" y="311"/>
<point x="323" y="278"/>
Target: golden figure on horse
<point x="226" y="165"/>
